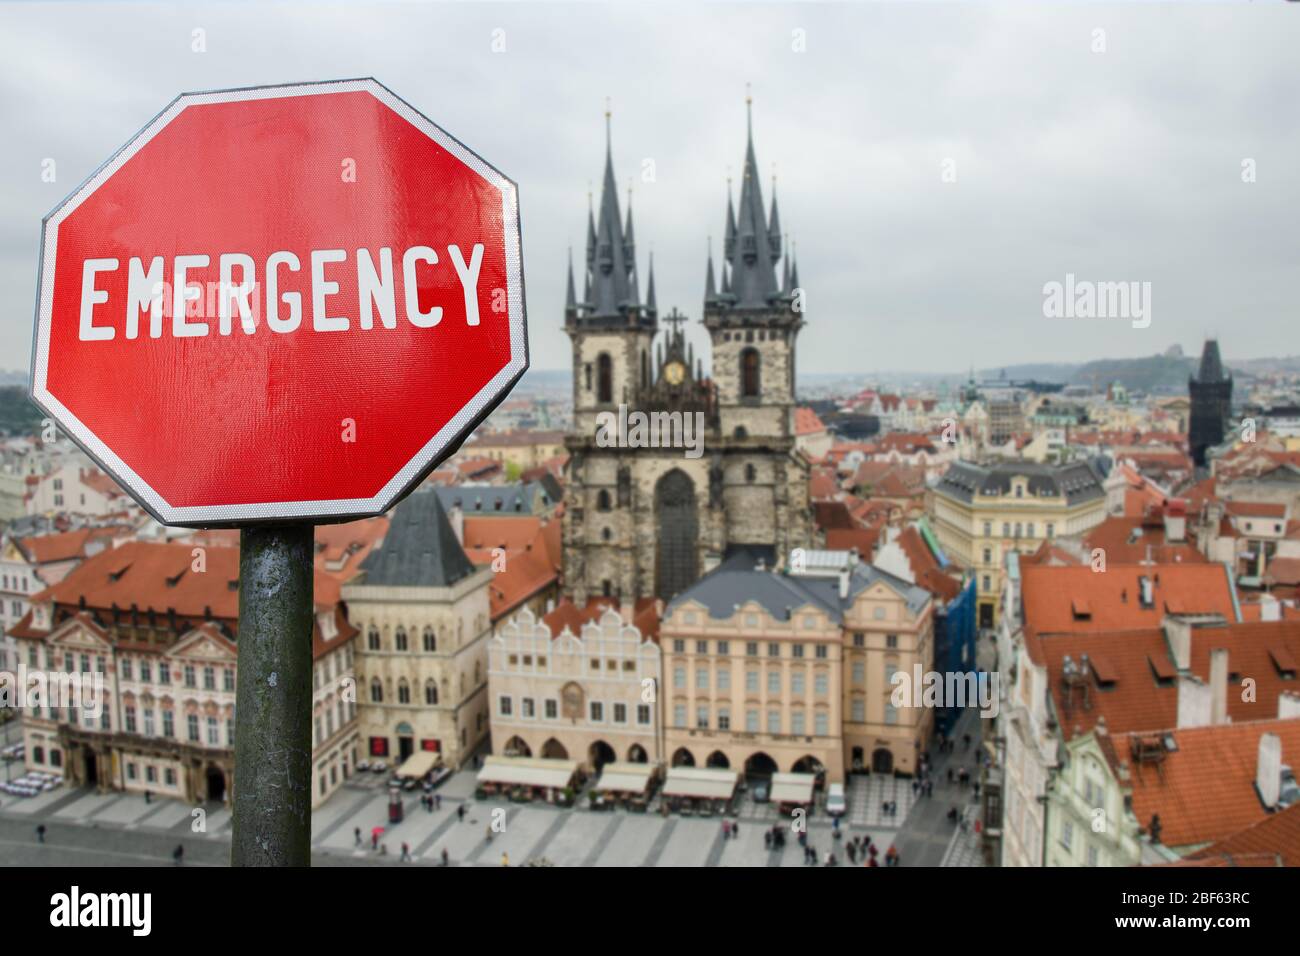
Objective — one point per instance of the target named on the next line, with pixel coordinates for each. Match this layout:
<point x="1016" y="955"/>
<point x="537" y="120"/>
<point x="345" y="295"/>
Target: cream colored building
<point x="423" y="613"/>
<point x="982" y="513"/>
<point x="523" y="449"/>
<point x="767" y="672"/>
<point x="590" y="697"/>
<point x="1089" y="822"/>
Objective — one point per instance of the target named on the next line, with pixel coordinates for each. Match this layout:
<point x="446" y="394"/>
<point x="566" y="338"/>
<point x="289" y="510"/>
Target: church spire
<point x="612" y="270"/>
<point x="710" y="289"/>
<point x="570" y="296"/>
<point x="650" y="287"/>
<point x="751" y="251"/>
<point x="774" y="225"/>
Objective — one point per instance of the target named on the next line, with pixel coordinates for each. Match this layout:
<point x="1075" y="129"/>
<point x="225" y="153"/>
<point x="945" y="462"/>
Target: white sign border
<point x="329" y="511"/>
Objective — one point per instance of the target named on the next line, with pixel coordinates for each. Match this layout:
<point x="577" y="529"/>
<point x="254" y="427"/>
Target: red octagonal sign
<point x="281" y="303"/>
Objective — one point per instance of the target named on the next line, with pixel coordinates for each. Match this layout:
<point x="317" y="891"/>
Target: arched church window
<point x="751" y="473"/>
<point x="604" y="378"/>
<point x="587" y="372"/>
<point x="741" y="432"/>
<point x="602" y="500"/>
<point x="749" y="373"/>
<point x="604" y="534"/>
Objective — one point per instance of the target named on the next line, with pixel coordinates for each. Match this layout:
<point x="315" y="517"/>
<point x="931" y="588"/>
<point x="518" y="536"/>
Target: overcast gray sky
<point x="1117" y="165"/>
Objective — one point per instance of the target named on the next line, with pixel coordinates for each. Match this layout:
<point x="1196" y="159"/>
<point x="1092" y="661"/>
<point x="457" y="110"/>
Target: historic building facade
<point x="650" y="521"/>
<point x="422" y="610"/>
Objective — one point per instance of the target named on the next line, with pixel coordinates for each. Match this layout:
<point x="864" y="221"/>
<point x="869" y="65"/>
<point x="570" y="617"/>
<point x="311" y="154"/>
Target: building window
<point x="189" y="675"/>
<point x="1029" y="530"/>
<point x="192" y="727"/>
<point x="169" y="724"/>
<point x="126" y="668"/>
<point x="797" y="650"/>
<point x="213" y="737"/>
<point x="859" y="710"/>
<point x="679" y="647"/>
<point x="773" y="721"/>
<point x="724" y="678"/>
<point x="701" y="647"/>
<point x="403" y="692"/>
<point x="796" y="683"/>
<point x="209" y="678"/>
<point x="859" y="639"/>
<point x="679" y="677"/>
<point x="751" y="474"/>
<point x="988" y="583"/>
<point x="551" y="709"/>
<point x="724" y="648"/>
<point x="859" y="672"/>
<point x="642" y="714"/>
<point x="372" y="639"/>
<point x="702" y="717"/>
<point x="988" y="529"/>
<point x="751" y="649"/>
<point x="1067" y="833"/>
<point x="891" y="713"/>
<point x="891" y="640"/>
<point x="797" y="723"/>
<point x="1051" y="530"/>
<point x="505" y="705"/>
<point x="431" y="693"/>
<point x="130" y="719"/>
<point x="751" y="721"/>
<point x="620" y="713"/>
<point x="228" y="679"/>
<point x="679" y="715"/>
<point x="821" y="724"/>
<point x="988" y="555"/>
<point x="774" y="650"/>
<point x="604" y="379"/>
<point x="430" y="641"/>
<point x="751" y="681"/>
<point x="602" y="500"/>
<point x="597" y="712"/>
<point x="822" y="652"/>
<point x="821" y="683"/>
<point x="376" y="691"/>
<point x="528" y="709"/>
<point x="750" y="373"/>
<point x="774" y="681"/>
<point x="701" y="678"/>
<point x="724" y="718"/>
<point x="399" y="639"/>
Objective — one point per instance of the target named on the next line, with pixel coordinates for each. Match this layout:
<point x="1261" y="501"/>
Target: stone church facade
<point x="650" y="521"/>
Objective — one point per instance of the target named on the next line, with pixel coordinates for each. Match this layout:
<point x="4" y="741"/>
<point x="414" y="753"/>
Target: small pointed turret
<point x="710" y="290"/>
<point x="650" y="288"/>
<point x="570" y="296"/>
<point x="774" y="226"/>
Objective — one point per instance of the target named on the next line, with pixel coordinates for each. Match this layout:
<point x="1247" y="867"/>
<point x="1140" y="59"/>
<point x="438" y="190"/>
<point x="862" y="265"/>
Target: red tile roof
<point x="67" y="545"/>
<point x="806" y="422"/>
<point x="645" y="616"/>
<point x="1272" y="841"/>
<point x="340" y="548"/>
<point x="1049" y="592"/>
<point x="846" y="539"/>
<point x="1204" y="791"/>
<point x="1124" y="682"/>
<point x="1129" y="540"/>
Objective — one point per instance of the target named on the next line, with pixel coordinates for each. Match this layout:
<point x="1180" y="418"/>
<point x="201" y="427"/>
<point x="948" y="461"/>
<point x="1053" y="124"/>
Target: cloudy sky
<point x="1104" y="141"/>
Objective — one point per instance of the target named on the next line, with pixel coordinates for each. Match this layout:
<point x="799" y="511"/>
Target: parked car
<point x="378" y="767"/>
<point x="836" y="804"/>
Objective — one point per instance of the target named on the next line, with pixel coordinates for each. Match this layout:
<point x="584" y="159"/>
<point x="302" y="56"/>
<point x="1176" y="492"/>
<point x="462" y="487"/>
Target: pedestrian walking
<point x="178" y="854"/>
<point x="148" y="797"/>
<point x="726" y="829"/>
<point x="460" y="812"/>
<point x="406" y="852"/>
<point x="853" y="853"/>
<point x="356" y="835"/>
<point x="437" y="801"/>
<point x="735" y="828"/>
<point x="950" y="774"/>
<point x="965" y="739"/>
<point x="446" y="858"/>
<point x="505" y="858"/>
<point x="767" y="839"/>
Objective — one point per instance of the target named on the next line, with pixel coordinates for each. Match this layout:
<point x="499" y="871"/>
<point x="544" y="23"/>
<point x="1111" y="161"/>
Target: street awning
<point x="625" y="778"/>
<point x="528" y="771"/>
<point x="418" y="764"/>
<point x="710" y="783"/>
<point x="792" y="788"/>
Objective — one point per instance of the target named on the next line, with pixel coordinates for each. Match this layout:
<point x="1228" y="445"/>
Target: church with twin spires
<point x="649" y="522"/>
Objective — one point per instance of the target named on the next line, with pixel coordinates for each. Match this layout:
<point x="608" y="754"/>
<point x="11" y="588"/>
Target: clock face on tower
<point x="675" y="373"/>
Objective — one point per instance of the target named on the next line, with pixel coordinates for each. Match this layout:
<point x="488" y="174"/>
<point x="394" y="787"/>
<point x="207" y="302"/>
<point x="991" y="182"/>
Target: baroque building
<point x="650" y="521"/>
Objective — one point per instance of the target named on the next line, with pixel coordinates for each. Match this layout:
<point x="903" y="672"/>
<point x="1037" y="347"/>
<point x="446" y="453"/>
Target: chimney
<point x="1268" y="770"/>
<point x="457" y="518"/>
<point x="1179" y="635"/>
<point x="1288" y="705"/>
<point x="1194" y="706"/>
<point x="1175" y="522"/>
<point x="1219" y="685"/>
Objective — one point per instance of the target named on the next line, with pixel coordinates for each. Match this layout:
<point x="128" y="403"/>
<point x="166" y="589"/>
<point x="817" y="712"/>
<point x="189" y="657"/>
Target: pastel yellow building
<point x="984" y="512"/>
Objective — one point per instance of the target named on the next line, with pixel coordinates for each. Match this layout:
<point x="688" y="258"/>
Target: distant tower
<point x="1211" y="399"/>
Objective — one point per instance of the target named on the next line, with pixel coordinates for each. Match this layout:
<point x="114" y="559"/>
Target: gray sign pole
<point x="272" y="825"/>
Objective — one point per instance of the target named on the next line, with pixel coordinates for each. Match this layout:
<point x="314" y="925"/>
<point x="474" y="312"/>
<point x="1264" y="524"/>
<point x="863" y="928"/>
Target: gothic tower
<point x="648" y="520"/>
<point x="1211" y="400"/>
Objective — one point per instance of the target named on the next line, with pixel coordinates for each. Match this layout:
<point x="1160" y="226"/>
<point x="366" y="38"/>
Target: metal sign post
<point x="273" y="780"/>
<point x="295" y="331"/>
